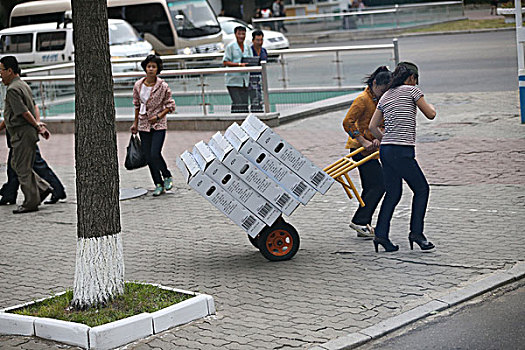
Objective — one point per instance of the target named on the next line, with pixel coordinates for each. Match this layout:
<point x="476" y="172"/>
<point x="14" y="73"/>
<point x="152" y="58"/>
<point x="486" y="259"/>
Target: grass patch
<point x="465" y="24"/>
<point x="137" y="298"/>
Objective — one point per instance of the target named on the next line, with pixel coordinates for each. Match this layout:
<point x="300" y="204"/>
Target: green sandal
<point x="158" y="191"/>
<point x="168" y="183"/>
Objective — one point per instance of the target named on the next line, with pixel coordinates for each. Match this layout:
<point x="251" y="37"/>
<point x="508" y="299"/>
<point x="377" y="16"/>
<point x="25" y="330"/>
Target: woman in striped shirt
<point x="397" y="109"/>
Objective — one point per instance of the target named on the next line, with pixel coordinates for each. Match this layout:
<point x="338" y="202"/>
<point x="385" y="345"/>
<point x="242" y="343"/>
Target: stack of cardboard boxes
<point x="252" y="175"/>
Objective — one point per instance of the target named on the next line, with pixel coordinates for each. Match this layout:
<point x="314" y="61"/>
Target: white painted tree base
<point x="99" y="270"/>
<point x="112" y="334"/>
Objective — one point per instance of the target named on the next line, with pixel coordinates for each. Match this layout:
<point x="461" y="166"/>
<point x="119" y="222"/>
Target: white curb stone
<point x="211" y="305"/>
<point x="405" y="318"/>
<point x="112" y="334"/>
<point x="120" y="332"/>
<point x="475" y="289"/>
<point x="62" y="331"/>
<point x="349" y="341"/>
<point x="180" y="313"/>
<point x="517" y="271"/>
<point x="484" y="285"/>
<point x="16" y="324"/>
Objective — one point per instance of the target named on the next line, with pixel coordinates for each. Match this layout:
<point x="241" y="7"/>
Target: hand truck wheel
<point x="254" y="241"/>
<point x="278" y="242"/>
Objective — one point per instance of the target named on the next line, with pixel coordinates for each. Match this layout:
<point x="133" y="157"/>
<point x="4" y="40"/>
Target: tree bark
<point x="99" y="272"/>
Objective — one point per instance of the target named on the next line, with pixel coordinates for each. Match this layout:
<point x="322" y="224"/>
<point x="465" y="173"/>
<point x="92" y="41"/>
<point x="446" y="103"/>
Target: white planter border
<point x="112" y="334"/>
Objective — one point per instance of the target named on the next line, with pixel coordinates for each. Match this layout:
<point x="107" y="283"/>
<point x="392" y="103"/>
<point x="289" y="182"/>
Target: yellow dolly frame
<point x="339" y="171"/>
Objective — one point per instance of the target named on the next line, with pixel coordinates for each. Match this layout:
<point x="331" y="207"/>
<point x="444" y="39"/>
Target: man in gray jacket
<point x="23" y="127"/>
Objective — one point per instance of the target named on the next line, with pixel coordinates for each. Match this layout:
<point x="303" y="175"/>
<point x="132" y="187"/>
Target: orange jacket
<point x="358" y="117"/>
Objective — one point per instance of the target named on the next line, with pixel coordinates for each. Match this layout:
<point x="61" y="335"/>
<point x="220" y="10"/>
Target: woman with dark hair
<point x="153" y="101"/>
<point x="356" y="125"/>
<point x="397" y="109"/>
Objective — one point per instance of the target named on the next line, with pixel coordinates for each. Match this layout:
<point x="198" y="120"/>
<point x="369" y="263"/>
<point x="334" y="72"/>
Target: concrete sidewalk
<point x="472" y="155"/>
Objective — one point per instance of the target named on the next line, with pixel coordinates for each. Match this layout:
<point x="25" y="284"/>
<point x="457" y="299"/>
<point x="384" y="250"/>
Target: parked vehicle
<point x="171" y="26"/>
<point x="272" y="40"/>
<point x="46" y="43"/>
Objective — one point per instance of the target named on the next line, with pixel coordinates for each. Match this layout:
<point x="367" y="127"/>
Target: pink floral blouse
<point x="159" y="99"/>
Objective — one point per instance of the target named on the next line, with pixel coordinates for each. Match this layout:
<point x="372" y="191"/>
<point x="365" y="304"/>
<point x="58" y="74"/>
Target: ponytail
<point x="370" y="78"/>
<point x="403" y="71"/>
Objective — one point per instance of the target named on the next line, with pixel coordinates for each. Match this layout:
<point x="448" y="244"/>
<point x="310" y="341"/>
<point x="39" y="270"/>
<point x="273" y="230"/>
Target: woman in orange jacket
<point x="356" y="125"/>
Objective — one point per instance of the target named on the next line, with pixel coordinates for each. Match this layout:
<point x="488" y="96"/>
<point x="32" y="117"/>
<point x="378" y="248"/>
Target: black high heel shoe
<point x="386" y="243"/>
<point x="421" y="241"/>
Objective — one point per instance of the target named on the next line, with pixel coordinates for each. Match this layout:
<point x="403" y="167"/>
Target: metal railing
<point x="165" y="74"/>
<point x="281" y="55"/>
<point x="292" y="77"/>
<point x="372" y="18"/>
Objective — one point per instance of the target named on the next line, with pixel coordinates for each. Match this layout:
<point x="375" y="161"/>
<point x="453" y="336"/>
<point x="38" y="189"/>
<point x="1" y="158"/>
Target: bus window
<point x="16" y="43"/>
<point x="54" y="41"/>
<point x="37" y="18"/>
<point x="193" y="18"/>
<point x="150" y="18"/>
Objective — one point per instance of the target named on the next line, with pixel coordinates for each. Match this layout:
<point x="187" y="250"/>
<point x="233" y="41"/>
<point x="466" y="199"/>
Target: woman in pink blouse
<point x="153" y="101"/>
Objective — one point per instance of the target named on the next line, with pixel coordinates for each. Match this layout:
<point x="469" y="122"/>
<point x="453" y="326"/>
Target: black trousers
<point x="371" y="175"/>
<point x="152" y="143"/>
<point x="256" y="96"/>
<point x="9" y="190"/>
<point x="240" y="96"/>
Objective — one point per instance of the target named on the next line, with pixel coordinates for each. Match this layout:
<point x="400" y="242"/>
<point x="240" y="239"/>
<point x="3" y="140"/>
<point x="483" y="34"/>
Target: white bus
<point x="171" y="26"/>
<point x="42" y="44"/>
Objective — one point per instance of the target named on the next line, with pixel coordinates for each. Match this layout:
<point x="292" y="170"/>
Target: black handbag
<point x="134" y="157"/>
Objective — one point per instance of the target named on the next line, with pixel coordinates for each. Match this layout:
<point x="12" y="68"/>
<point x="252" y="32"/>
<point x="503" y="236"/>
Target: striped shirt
<point x="399" y="112"/>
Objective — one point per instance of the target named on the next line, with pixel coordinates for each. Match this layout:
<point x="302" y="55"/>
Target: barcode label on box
<point x="283" y="199"/>
<point x="299" y="189"/>
<point x="316" y="180"/>
<point x="265" y="210"/>
<point x="248" y="223"/>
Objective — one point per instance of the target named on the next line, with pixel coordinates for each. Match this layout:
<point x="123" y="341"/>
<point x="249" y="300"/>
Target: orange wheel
<point x="279" y="242"/>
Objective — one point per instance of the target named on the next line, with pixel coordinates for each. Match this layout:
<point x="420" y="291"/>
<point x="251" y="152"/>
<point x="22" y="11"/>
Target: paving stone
<point x="336" y="284"/>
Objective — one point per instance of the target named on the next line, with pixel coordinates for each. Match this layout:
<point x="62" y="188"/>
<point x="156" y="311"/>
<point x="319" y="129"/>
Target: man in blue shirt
<point x="256" y="97"/>
<point x="237" y="83"/>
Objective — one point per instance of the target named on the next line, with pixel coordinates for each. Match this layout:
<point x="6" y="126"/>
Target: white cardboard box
<point x="250" y="174"/>
<point x="230" y="182"/>
<point x="187" y="166"/>
<point x="287" y="154"/>
<point x="217" y="196"/>
<point x="272" y="166"/>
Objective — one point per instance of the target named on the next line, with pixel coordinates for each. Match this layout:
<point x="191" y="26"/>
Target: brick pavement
<point x="472" y="155"/>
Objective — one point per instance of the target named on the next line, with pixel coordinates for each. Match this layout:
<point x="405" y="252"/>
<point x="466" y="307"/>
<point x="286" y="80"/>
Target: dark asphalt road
<point x="494" y="321"/>
<point x="458" y="62"/>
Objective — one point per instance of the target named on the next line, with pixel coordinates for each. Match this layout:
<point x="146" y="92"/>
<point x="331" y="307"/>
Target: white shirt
<point x="145" y="92"/>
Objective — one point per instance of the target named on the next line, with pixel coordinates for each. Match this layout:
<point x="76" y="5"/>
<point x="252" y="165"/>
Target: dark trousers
<point x="10" y="189"/>
<point x="281" y="27"/>
<point x="399" y="163"/>
<point x="239" y="96"/>
<point x="371" y="175"/>
<point x="152" y="143"/>
<point x="256" y="96"/>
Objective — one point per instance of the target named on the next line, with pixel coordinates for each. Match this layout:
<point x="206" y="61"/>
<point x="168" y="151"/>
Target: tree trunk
<point x="99" y="271"/>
